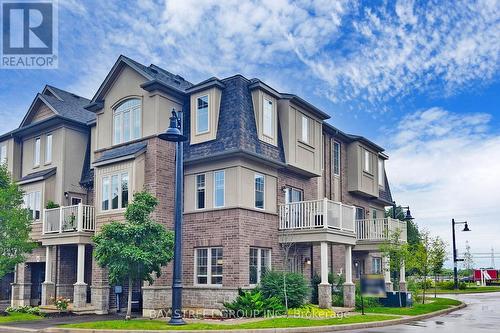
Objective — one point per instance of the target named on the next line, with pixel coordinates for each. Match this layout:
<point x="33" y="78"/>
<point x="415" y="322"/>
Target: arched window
<point x="127" y="121"/>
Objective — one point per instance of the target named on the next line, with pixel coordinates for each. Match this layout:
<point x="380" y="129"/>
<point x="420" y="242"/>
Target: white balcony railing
<point x="316" y="214"/>
<point x="379" y="229"/>
<point x="69" y="218"/>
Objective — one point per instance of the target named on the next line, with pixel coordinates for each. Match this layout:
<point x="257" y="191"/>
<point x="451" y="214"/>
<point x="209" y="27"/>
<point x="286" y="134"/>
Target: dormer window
<point x="367" y="161"/>
<point x="267" y="118"/>
<point x="305" y="129"/>
<point x="202" y="117"/>
<point x="127" y="121"/>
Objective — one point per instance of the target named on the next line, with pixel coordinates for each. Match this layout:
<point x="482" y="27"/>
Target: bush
<point x="427" y="284"/>
<point x="252" y="303"/>
<point x="297" y="288"/>
<point x="51" y="204"/>
<point x="35" y="310"/>
<point x="368" y="302"/>
<point x="450" y="285"/>
<point x="61" y="303"/>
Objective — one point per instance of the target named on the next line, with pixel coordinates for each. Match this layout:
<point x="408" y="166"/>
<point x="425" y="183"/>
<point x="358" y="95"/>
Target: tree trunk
<point x="435" y="286"/>
<point x="129" y="299"/>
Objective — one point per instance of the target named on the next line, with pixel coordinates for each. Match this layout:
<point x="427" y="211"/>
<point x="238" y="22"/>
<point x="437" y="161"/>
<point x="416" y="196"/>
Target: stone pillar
<point x="21" y="288"/>
<point x="100" y="289"/>
<point x="48" y="286"/>
<point x="402" y="278"/>
<point x="349" y="287"/>
<point x="387" y="274"/>
<point x="324" y="288"/>
<point x="80" y="287"/>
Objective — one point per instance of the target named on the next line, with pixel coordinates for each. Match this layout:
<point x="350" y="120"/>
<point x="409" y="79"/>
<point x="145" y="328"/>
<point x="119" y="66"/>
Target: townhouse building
<point x="263" y="169"/>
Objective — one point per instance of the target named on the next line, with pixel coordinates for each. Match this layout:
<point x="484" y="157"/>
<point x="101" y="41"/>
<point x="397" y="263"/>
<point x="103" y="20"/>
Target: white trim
<point x="37" y="155"/>
<point x="3" y="153"/>
<point x="196" y="115"/>
<point x="215" y="189"/>
<point x="259" y="263"/>
<point x="339" y="158"/>
<point x="209" y="266"/>
<point x="48" y="147"/>
<point x="272" y="134"/>
<point x="304" y="121"/>
<point x="258" y="174"/>
<point x="196" y="191"/>
<point x="119" y="175"/>
<point x="120" y="114"/>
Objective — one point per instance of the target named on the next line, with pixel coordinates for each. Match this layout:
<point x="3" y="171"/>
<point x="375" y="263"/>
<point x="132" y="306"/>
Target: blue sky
<point x="421" y="79"/>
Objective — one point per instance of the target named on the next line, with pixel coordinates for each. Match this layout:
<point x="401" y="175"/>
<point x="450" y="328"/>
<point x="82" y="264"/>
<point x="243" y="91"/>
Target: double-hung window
<point x="202" y="114"/>
<point x="3" y="154"/>
<point x="114" y="191"/>
<point x="305" y="129"/>
<point x="36" y="156"/>
<point x="48" y="149"/>
<point x="336" y="158"/>
<point x="209" y="264"/>
<point x="200" y="191"/>
<point x="33" y="202"/>
<point x="376" y="265"/>
<point x="127" y="121"/>
<point x="259" y="190"/>
<point x="267" y="118"/>
<point x="367" y="161"/>
<point x="259" y="264"/>
<point x="219" y="188"/>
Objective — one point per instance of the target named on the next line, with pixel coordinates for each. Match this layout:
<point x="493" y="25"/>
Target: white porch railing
<point x="316" y="214"/>
<point x="69" y="218"/>
<point x="379" y="229"/>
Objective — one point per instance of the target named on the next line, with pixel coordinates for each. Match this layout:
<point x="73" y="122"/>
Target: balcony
<point x="68" y="225"/>
<point x="317" y="220"/>
<point x="370" y="233"/>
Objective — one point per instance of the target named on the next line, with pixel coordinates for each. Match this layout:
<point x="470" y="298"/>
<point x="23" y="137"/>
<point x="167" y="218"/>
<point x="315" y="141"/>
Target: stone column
<point x="387" y="274"/>
<point x="324" y="288"/>
<point x="349" y="287"/>
<point x="21" y="288"/>
<point x="402" y="278"/>
<point x="80" y="287"/>
<point x="48" y="286"/>
<point x="100" y="289"/>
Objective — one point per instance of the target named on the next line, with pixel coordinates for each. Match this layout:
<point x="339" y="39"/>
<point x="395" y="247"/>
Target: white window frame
<point x="33" y="201"/>
<point x="259" y="263"/>
<point x="223" y="189"/>
<point x="36" y="152"/>
<point x="259" y="175"/>
<point x="381" y="176"/>
<point x="305" y="129"/>
<point x="209" y="267"/>
<point x="336" y="155"/>
<point x="208" y="115"/>
<point x="204" y="188"/>
<point x="48" y="148"/>
<point x="119" y="113"/>
<point x="3" y="153"/>
<point x="367" y="165"/>
<point x="109" y="177"/>
<point x="379" y="265"/>
<point x="268" y="119"/>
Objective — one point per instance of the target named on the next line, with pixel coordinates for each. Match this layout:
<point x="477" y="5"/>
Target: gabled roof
<point x="351" y="137"/>
<point x="62" y="103"/>
<point x="155" y="75"/>
<point x="37" y="176"/>
<point x="385" y="193"/>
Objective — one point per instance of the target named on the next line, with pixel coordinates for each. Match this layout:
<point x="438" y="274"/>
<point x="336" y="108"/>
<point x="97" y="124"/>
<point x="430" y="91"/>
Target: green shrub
<point x="315" y="281"/>
<point x="412" y="286"/>
<point x="450" y="285"/>
<point x="297" y="288"/>
<point x="427" y="284"/>
<point x="51" y="204"/>
<point x="252" y="303"/>
<point x="368" y="302"/>
<point x="34" y="310"/>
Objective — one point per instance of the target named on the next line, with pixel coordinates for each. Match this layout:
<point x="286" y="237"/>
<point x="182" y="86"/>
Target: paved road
<point x="482" y="314"/>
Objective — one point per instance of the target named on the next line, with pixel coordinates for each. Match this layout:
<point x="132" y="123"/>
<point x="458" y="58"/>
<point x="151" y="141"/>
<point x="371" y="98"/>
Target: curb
<point x="317" y="329"/>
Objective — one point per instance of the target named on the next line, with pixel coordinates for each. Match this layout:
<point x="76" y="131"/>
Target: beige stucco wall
<point x="75" y="146"/>
<point x="358" y="179"/>
<point x="13" y="157"/>
<point x="156" y="107"/>
<point x="298" y="154"/>
<point x="239" y="185"/>
<point x="42" y="113"/>
<point x="214" y="98"/>
<point x="258" y="102"/>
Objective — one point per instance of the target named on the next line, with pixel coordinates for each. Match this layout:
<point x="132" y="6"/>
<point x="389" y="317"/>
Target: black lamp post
<point x="455" y="259"/>
<point x="407" y="217"/>
<point x="356" y="264"/>
<point x="174" y="134"/>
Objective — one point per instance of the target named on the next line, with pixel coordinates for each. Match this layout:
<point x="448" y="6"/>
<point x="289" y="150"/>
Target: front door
<point x="37" y="278"/>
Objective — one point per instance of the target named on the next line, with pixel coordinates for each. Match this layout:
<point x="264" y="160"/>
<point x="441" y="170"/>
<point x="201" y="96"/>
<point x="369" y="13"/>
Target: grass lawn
<point x="144" y="324"/>
<point x="14" y="316"/>
<point x="435" y="304"/>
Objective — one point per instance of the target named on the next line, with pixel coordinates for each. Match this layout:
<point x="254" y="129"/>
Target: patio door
<point x="293" y="195"/>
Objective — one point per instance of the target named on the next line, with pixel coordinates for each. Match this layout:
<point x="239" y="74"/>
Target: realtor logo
<point x="29" y="34"/>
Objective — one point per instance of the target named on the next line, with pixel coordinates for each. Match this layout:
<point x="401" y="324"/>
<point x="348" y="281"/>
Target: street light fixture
<point x="407" y="217"/>
<point x="174" y="134"/>
<point x="455" y="259"/>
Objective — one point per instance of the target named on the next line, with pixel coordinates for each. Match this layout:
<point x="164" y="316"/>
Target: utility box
<point x="392" y="299"/>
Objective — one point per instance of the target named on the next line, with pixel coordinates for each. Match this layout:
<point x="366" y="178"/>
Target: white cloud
<point x="445" y="165"/>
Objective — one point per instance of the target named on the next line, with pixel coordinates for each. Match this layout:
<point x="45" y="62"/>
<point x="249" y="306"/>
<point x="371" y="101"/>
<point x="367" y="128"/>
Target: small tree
<point x="420" y="260"/>
<point x="437" y="259"/>
<point x="397" y="252"/>
<point x="15" y="225"/>
<point x="135" y="249"/>
<point x="286" y="245"/>
<point x="412" y="231"/>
